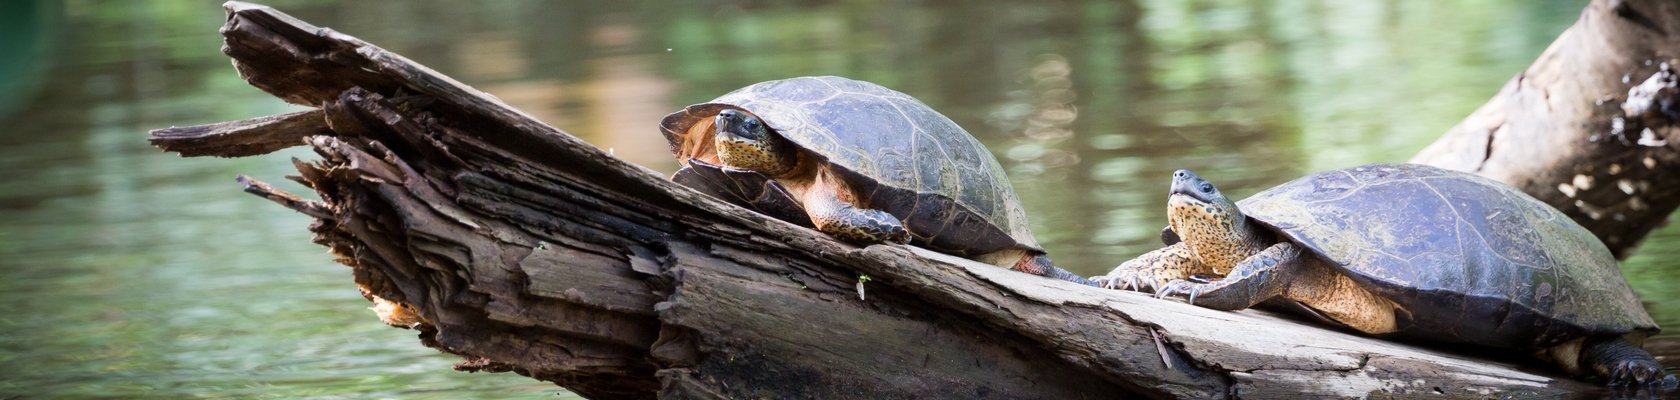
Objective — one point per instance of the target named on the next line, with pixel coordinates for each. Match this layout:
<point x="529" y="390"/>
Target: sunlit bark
<point x="1569" y="131"/>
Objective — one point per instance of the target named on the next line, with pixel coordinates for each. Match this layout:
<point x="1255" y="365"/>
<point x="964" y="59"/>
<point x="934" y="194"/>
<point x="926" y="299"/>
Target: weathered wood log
<point x="242" y="138"/>
<point x="1590" y="127"/>
<point x="524" y="249"/>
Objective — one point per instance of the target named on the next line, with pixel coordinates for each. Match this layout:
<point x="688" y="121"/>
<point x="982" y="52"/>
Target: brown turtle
<point x="858" y="161"/>
<point x="1412" y="251"/>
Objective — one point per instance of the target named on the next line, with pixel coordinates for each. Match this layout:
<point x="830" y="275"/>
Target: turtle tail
<point x="1040" y="264"/>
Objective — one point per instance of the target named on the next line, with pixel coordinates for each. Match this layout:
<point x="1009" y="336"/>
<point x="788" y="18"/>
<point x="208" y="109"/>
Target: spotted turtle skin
<point x="1463" y="258"/>
<point x="896" y="153"/>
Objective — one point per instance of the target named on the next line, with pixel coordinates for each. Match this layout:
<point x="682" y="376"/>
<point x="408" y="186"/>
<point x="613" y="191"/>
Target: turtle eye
<point x="751" y="124"/>
<point x="1207" y="188"/>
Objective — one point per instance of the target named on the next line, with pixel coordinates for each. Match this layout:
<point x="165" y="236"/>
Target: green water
<point x="126" y="272"/>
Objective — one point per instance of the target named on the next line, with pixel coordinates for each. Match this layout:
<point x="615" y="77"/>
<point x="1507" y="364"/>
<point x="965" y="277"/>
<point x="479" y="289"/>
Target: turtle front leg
<point x="1281" y="271"/>
<point x="1256" y="279"/>
<point x="1150" y="271"/>
<point x="835" y="216"/>
<point x="1621" y="363"/>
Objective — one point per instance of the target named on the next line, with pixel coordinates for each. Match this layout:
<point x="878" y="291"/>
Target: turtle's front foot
<point x="1127" y="279"/>
<point x="1178" y="287"/>
<point x="1148" y="272"/>
<point x="1106" y="282"/>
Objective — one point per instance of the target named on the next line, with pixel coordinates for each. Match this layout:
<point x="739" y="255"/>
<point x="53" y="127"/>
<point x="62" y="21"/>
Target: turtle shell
<point x="897" y="153"/>
<point x="1468" y="259"/>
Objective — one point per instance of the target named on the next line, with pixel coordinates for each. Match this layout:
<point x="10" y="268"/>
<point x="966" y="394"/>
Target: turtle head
<point x="1210" y="223"/>
<point x="1191" y="188"/>
<point x="744" y="142"/>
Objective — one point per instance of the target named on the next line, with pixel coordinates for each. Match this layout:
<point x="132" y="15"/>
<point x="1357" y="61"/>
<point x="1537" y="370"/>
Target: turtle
<point x="860" y="162"/>
<point x="1407" y="251"/>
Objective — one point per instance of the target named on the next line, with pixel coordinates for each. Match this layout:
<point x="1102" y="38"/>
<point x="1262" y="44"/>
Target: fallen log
<point x="524" y="249"/>
<point x="1590" y="127"/>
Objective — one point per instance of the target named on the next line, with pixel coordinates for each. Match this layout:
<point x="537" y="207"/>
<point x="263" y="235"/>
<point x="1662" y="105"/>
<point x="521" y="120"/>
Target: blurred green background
<point x="126" y="272"/>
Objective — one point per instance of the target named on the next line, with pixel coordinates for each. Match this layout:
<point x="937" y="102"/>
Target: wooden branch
<point x="288" y="200"/>
<point x="524" y="249"/>
<point x="1590" y="127"/>
<point x="250" y="137"/>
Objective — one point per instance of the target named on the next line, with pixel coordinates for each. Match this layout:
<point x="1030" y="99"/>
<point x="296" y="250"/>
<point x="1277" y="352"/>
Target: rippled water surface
<point x="126" y="272"/>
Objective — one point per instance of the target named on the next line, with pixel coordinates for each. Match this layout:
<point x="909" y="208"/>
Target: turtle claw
<point x="1125" y="280"/>
<point x="1115" y="282"/>
<point x="1180" y="286"/>
<point x="1641" y="373"/>
<point x="1140" y="284"/>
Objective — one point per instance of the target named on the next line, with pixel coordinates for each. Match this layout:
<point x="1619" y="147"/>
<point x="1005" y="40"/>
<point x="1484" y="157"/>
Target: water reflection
<point x="126" y="272"/>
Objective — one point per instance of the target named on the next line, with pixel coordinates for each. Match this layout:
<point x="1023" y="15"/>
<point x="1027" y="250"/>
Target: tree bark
<point x="524" y="249"/>
<point x="1590" y="127"/>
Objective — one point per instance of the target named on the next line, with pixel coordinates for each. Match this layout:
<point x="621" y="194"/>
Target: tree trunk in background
<point x="1590" y="127"/>
<point x="524" y="249"/>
